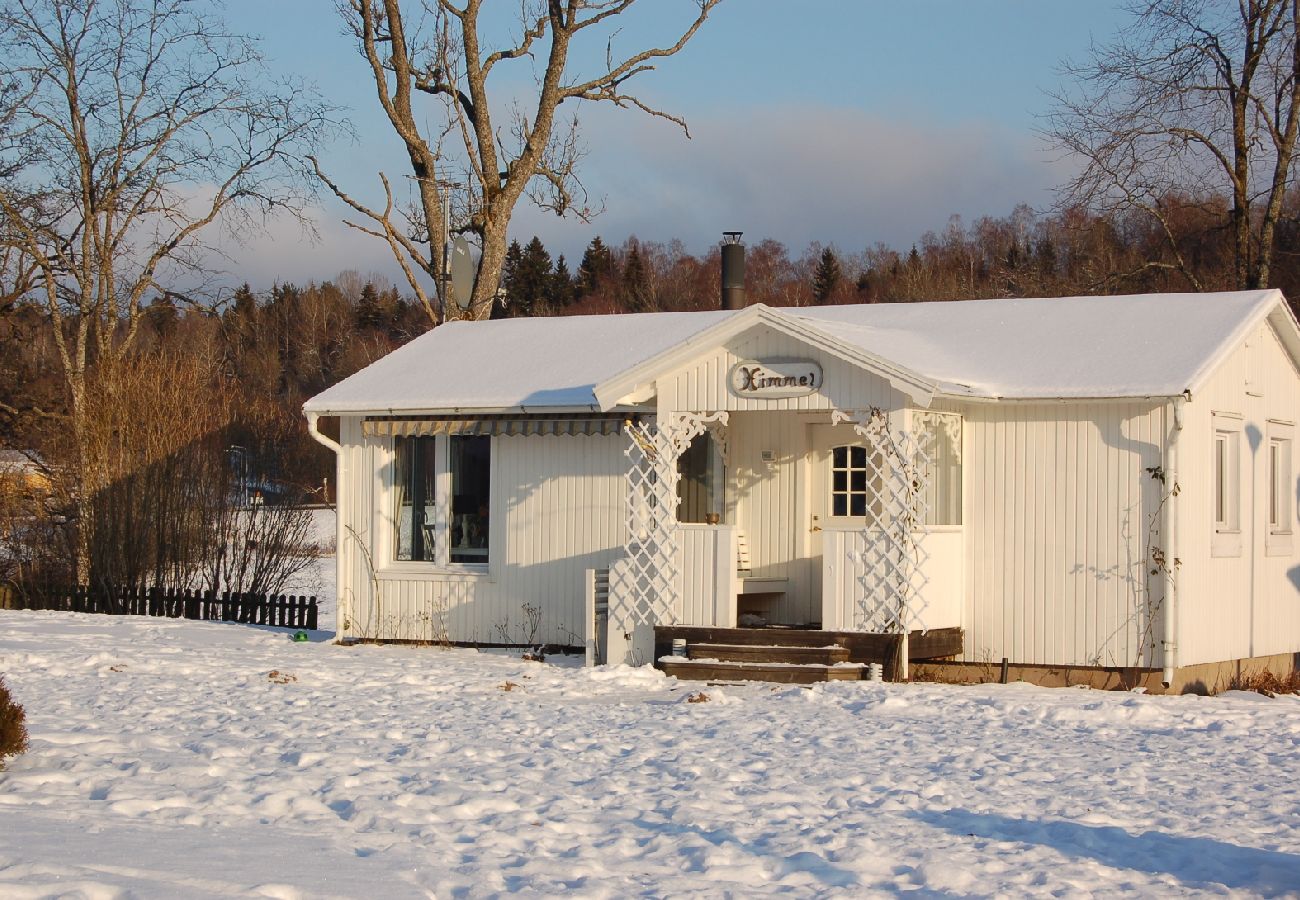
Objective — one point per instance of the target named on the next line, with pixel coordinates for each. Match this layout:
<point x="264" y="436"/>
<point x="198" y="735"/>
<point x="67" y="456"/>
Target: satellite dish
<point x="462" y="272"/>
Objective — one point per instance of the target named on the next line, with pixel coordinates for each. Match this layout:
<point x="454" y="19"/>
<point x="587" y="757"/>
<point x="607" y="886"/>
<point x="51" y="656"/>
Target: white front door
<point x="845" y="488"/>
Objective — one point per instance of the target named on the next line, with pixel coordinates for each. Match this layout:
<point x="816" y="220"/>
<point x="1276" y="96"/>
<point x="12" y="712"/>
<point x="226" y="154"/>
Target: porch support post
<point x="644" y="585"/>
<point x="891" y="555"/>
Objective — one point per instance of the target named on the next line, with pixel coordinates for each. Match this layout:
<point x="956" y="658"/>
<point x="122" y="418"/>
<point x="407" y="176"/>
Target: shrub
<point x="1266" y="683"/>
<point x="13" y="728"/>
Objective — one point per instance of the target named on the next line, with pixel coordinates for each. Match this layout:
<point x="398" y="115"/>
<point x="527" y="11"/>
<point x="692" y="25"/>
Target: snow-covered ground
<point x="190" y="759"/>
<point x="317" y="579"/>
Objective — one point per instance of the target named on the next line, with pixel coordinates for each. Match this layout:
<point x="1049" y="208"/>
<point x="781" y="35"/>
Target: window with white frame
<point x="441" y="495"/>
<point x="855" y="482"/>
<point x="1281" y="508"/>
<point x="1226" y="498"/>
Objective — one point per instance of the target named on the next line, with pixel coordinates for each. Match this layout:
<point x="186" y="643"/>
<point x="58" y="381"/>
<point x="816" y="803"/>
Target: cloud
<point x="794" y="173"/>
<point x="799" y="174"/>
<point x="283" y="251"/>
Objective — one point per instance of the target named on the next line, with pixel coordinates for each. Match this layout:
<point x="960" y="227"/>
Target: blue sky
<point x="848" y="122"/>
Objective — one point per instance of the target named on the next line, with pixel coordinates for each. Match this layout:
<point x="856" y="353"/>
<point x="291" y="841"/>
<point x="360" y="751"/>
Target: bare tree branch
<point x="434" y="49"/>
<point x="142" y="124"/>
<point x="1194" y="98"/>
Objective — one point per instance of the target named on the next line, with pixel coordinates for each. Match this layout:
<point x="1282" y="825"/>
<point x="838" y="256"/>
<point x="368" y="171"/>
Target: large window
<point x="441" y="498"/>
<point x="1281" y="508"/>
<point x="1226" y="500"/>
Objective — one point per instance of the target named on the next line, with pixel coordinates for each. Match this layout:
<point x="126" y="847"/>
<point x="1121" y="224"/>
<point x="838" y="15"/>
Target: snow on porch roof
<point x="1074" y="347"/>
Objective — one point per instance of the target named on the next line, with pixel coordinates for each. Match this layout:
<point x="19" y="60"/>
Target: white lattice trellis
<point x="644" y="584"/>
<point x="890" y="564"/>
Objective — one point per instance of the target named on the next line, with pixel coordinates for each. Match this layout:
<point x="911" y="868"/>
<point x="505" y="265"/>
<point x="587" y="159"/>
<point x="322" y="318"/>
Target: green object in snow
<point x="299" y="637"/>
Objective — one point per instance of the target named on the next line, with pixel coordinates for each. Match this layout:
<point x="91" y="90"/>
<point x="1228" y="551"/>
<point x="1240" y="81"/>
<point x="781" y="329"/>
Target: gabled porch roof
<point x="629" y="385"/>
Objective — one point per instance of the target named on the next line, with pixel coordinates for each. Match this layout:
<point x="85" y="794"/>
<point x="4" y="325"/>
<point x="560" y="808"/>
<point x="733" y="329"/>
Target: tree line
<point x="1068" y="252"/>
<point x="196" y="437"/>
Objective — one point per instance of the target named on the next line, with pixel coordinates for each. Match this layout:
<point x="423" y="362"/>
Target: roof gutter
<point x="985" y="398"/>
<point x="521" y="410"/>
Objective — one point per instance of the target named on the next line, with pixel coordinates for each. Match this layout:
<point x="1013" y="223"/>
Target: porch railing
<point x="935" y="603"/>
<point x="707" y="579"/>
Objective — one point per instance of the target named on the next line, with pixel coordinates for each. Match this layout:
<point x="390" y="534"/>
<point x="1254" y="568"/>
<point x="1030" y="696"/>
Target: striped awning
<point x="492" y="425"/>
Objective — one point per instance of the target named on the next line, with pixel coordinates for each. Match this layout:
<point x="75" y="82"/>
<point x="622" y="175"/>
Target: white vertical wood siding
<point x="1233" y="607"/>
<point x="938" y="603"/>
<point x="557" y="510"/>
<point x="1058" y="504"/>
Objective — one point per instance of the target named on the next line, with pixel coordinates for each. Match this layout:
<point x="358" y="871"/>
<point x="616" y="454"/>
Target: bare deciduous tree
<point x="1198" y="98"/>
<point x="129" y="128"/>
<point x="435" y="48"/>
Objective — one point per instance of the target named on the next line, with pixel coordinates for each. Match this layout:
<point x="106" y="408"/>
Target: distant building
<point x="22" y="472"/>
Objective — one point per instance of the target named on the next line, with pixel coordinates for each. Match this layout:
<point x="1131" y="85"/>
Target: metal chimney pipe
<point x="733" y="270"/>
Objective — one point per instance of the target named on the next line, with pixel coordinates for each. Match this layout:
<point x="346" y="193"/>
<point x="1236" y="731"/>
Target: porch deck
<point x="783" y="654"/>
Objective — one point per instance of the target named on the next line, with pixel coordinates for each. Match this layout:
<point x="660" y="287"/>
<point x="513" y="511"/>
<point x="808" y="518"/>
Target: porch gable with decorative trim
<point x="635" y="385"/>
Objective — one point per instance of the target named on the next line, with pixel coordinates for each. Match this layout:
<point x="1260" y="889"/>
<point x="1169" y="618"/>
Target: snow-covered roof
<point x="1074" y="347"/>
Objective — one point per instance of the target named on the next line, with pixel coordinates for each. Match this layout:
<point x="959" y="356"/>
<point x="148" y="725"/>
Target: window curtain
<point x="404" y="509"/>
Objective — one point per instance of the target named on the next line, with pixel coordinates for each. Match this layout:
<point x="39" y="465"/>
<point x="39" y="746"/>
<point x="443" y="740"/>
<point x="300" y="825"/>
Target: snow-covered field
<point x="167" y="760"/>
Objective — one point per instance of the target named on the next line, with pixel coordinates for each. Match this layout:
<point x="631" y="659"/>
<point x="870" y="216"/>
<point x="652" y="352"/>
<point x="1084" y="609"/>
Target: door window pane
<point x="849" y="481"/>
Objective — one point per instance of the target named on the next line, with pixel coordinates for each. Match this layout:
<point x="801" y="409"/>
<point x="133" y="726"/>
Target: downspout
<point x="326" y="441"/>
<point x="322" y="438"/>
<point x="1169" y="528"/>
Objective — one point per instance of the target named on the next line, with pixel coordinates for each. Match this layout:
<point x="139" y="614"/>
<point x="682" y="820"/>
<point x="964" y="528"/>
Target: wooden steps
<point x="779" y="673"/>
<point x="760" y="637"/>
<point x="792" y="655"/>
<point x="771" y="653"/>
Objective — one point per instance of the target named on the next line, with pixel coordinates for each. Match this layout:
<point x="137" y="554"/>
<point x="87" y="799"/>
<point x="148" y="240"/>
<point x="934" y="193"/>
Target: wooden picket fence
<point x="251" y="609"/>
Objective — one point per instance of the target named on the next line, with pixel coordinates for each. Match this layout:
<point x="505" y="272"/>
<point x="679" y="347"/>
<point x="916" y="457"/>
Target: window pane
<point x="470" y="462"/>
<point x="841" y="457"/>
<point x="1221" y="479"/>
<point x="839" y="481"/>
<point x="839" y="505"/>
<point x="858" y="505"/>
<point x="699" y="489"/>
<point x="414" y="486"/>
<point x="858" y="457"/>
<point x="1274" y="513"/>
<point x="403" y="508"/>
<point x="859" y="482"/>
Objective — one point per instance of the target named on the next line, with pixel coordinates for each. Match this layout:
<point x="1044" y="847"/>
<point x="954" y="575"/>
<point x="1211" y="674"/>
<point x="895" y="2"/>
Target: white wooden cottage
<point x="1101" y="483"/>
